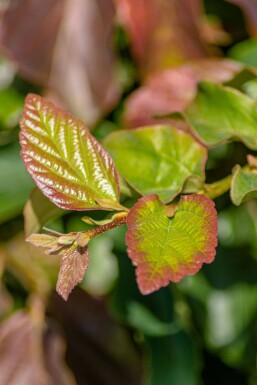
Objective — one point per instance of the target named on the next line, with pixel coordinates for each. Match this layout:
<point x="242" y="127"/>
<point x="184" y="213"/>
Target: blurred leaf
<point x="67" y="163"/>
<point x="41" y="30"/>
<point x="166" y="249"/>
<point x="245" y="52"/>
<point x="38" y="211"/>
<point x="74" y="264"/>
<point x="85" y="83"/>
<point x="95" y="340"/>
<point x="156" y="159"/>
<point x="16" y="184"/>
<point x="219" y="114"/>
<point x="7" y="72"/>
<point x="243" y="185"/>
<point x="231" y="232"/>
<point x="22" y="356"/>
<point x="141" y="318"/>
<point x="230" y="313"/>
<point x="36" y="271"/>
<point x="172" y="90"/>
<point x="249" y="7"/>
<point x="174" y="360"/>
<point x="11" y="103"/>
<point x="250" y="88"/>
<point x="102" y="271"/>
<point x="151" y="25"/>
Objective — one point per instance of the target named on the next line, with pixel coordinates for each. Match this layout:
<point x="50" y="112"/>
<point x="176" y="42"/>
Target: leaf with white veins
<point x="67" y="163"/>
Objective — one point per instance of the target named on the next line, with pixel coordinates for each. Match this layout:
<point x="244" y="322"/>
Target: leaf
<point x="245" y="52"/>
<point x="174" y="359"/>
<point x="74" y="264"/>
<point x="38" y="211"/>
<point x="150" y="26"/>
<point x="64" y="29"/>
<point x="166" y="249"/>
<point x="67" y="163"/>
<point x="95" y="337"/>
<point x="249" y="7"/>
<point x="219" y="114"/>
<point x="43" y="240"/>
<point x="173" y="89"/>
<point x="156" y="159"/>
<point x="26" y="345"/>
<point x="16" y="184"/>
<point x="243" y="185"/>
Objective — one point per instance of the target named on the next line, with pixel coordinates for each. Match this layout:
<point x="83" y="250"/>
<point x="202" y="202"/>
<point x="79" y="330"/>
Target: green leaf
<point x="243" y="185"/>
<point x="166" y="249"/>
<point x="38" y="211"/>
<point x="219" y="114"/>
<point x="67" y="163"/>
<point x="156" y="159"/>
<point x="16" y="184"/>
<point x="141" y="318"/>
<point x="74" y="264"/>
<point x="174" y="360"/>
<point x="245" y="52"/>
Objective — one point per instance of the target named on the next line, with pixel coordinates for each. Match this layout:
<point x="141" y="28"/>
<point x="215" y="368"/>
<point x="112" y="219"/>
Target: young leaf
<point x="243" y="185"/>
<point x="221" y="113"/>
<point x="166" y="249"/>
<point x="43" y="240"/>
<point x="157" y="159"/>
<point x="74" y="264"/>
<point x="67" y="163"/>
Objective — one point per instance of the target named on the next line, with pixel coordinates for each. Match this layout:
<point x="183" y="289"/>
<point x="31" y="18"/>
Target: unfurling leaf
<point x="166" y="249"/>
<point x="219" y="114"/>
<point x="157" y="159"/>
<point x="67" y="163"/>
<point x="243" y="185"/>
<point x="43" y="240"/>
<point x="74" y="264"/>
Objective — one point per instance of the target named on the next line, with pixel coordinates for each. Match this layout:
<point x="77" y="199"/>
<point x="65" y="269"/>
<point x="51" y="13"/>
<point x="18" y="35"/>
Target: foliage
<point x="138" y="183"/>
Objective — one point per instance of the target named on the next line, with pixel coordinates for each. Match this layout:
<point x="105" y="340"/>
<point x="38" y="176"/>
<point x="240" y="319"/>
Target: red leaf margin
<point x="205" y="256"/>
<point x="53" y="195"/>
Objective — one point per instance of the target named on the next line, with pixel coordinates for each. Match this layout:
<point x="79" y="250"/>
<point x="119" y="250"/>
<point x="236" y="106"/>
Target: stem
<point x="214" y="190"/>
<point x="121" y="220"/>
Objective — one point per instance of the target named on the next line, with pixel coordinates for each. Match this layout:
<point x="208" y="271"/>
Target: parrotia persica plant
<point x="172" y="227"/>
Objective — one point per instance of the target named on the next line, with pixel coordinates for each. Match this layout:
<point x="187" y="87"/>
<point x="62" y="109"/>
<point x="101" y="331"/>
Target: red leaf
<point x="172" y="90"/>
<point x="74" y="264"/>
<point x="163" y="33"/>
<point x="54" y="42"/>
<point x="67" y="163"/>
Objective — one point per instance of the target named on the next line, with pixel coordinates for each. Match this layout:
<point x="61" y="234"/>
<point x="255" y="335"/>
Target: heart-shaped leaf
<point x="74" y="264"/>
<point x="221" y="113"/>
<point x="243" y="185"/>
<point x="67" y="163"/>
<point x="166" y="249"/>
<point x="157" y="159"/>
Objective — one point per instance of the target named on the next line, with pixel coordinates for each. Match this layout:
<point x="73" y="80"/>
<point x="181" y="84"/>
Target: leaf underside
<point x="243" y="186"/>
<point x="157" y="159"/>
<point x="166" y="249"/>
<point x="67" y="163"/>
<point x="219" y="114"/>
